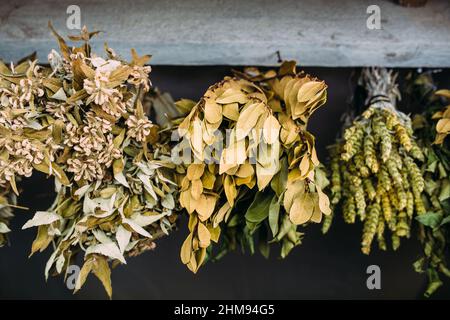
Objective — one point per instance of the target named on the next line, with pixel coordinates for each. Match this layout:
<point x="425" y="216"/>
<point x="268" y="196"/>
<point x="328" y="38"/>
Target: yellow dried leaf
<point x="192" y="265"/>
<point x="219" y="217"/>
<point x="84" y="272"/>
<point x="232" y="156"/>
<point x="57" y="131"/>
<point x="186" y="250"/>
<point x="293" y="190"/>
<point x="185" y="197"/>
<point x="317" y="214"/>
<point x="443" y="126"/>
<point x="443" y="93"/>
<point x="324" y="202"/>
<point x="42" y="240"/>
<point x="231" y="111"/>
<point x="245" y="170"/>
<point x="200" y="257"/>
<point x="205" y="206"/>
<point x="204" y="236"/>
<point x="232" y="95"/>
<point x="196" y="188"/>
<point x="103" y="273"/>
<point x="193" y="221"/>
<point x="197" y="138"/>
<point x="213" y="112"/>
<point x="208" y="180"/>
<point x="230" y="189"/>
<point x="60" y="174"/>
<point x="248" y="118"/>
<point x="304" y="166"/>
<point x="308" y="90"/>
<point x="271" y="129"/>
<point x="195" y="171"/>
<point x="302" y="209"/>
<point x="243" y="181"/>
<point x="314" y="158"/>
<point x="185" y="184"/>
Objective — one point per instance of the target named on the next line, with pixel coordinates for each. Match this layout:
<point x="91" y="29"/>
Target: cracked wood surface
<point x="234" y="32"/>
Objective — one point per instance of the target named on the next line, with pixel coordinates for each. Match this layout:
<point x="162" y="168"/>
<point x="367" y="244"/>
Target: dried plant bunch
<point x="375" y="172"/>
<point x="443" y="124"/>
<point x="295" y="196"/>
<point x="433" y="228"/>
<point x="27" y="139"/>
<point x="119" y="193"/>
<point x="244" y="148"/>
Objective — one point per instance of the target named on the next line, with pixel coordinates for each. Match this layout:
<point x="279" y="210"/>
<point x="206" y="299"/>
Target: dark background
<point x="323" y="267"/>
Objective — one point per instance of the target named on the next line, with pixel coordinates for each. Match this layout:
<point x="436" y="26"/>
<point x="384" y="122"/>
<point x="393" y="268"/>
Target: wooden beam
<point x="238" y="32"/>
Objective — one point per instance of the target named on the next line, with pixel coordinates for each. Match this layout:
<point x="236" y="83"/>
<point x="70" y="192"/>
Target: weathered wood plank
<point x="235" y="32"/>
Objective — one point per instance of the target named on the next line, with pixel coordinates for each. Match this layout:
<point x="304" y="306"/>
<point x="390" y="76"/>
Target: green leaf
<point x="274" y="214"/>
<point x="430" y="219"/>
<point x="286" y="247"/>
<point x="263" y="245"/>
<point x="418" y="265"/>
<point x="434" y="282"/>
<point x="119" y="139"/>
<point x="259" y="209"/>
<point x="445" y="190"/>
<point x="279" y="181"/>
<point x="442" y="171"/>
<point x="321" y="177"/>
<point x="445" y="220"/>
<point x="286" y="225"/>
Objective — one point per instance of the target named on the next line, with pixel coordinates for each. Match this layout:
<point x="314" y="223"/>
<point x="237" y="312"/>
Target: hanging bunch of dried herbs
<point x="433" y="228"/>
<point x="250" y="144"/>
<point x="375" y="171"/>
<point x="119" y="193"/>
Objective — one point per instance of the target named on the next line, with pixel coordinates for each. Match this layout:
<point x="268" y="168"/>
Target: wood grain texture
<point x="234" y="32"/>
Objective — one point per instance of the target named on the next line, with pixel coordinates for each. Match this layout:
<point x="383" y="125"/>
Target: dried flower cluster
<point x="249" y="140"/>
<point x="26" y="140"/>
<point x="375" y="173"/>
<point x="116" y="191"/>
